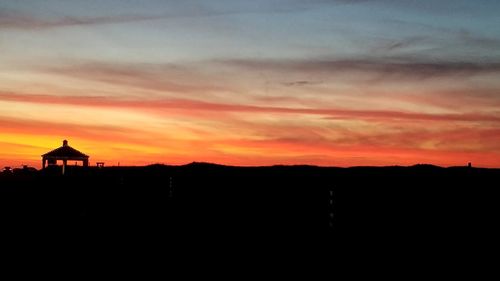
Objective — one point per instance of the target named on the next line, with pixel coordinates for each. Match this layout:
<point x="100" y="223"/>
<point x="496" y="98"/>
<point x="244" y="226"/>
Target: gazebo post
<point x="43" y="162"/>
<point x="64" y="166"/>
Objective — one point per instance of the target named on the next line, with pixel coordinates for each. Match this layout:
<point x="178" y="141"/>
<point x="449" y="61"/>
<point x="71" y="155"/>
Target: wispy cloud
<point x="17" y="20"/>
<point x="406" y="67"/>
<point x="225" y="76"/>
<point x="462" y="99"/>
<point x="13" y="19"/>
<point x="301" y="83"/>
<point x="104" y="133"/>
<point x="160" y="77"/>
<point x="390" y="46"/>
<point x="194" y="105"/>
<point x="472" y="39"/>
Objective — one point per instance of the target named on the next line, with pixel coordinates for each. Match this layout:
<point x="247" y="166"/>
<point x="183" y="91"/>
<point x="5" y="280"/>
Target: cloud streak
<point x="193" y="105"/>
<point x="229" y="77"/>
<point x="16" y="20"/>
<point x="409" y="68"/>
<point x="11" y="19"/>
<point x="159" y="77"/>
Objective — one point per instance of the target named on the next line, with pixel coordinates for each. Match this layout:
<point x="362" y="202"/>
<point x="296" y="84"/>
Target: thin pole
<point x="170" y="189"/>
<point x="331" y="207"/>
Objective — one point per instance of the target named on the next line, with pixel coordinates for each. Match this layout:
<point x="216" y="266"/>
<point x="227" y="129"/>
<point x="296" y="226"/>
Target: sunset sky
<point x="261" y="82"/>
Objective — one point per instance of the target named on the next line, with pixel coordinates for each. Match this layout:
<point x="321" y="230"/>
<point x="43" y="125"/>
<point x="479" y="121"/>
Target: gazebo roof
<point x="65" y="151"/>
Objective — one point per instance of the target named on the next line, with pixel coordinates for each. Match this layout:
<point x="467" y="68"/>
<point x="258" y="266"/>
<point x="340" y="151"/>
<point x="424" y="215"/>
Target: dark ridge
<point x="205" y="164"/>
<point x="426" y="166"/>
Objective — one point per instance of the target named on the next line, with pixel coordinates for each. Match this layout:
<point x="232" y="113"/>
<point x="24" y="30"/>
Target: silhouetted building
<point x="24" y="170"/>
<point x="64" y="153"/>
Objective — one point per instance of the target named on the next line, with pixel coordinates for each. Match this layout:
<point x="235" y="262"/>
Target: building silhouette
<point x="64" y="153"/>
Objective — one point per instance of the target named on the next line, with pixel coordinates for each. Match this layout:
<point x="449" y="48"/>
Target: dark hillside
<point x="419" y="203"/>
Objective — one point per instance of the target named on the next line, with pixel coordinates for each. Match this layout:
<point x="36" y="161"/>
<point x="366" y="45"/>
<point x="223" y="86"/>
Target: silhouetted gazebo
<point x="64" y="153"/>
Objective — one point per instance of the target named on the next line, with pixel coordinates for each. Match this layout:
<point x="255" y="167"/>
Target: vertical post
<point x="170" y="189"/>
<point x="331" y="207"/>
<point x="64" y="166"/>
<point x="43" y="162"/>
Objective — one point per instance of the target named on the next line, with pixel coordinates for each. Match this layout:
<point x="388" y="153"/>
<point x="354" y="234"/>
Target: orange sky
<point x="248" y="85"/>
<point x="133" y="131"/>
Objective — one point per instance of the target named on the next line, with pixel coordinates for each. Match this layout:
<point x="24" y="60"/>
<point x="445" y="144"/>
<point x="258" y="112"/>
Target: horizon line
<point x="270" y="166"/>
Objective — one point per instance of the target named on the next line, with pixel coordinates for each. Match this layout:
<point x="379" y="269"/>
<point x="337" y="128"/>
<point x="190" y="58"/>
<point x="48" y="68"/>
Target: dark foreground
<point x="414" y="205"/>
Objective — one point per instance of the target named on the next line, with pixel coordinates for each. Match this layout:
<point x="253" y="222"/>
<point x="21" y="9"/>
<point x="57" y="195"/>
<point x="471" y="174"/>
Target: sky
<point x="262" y="82"/>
